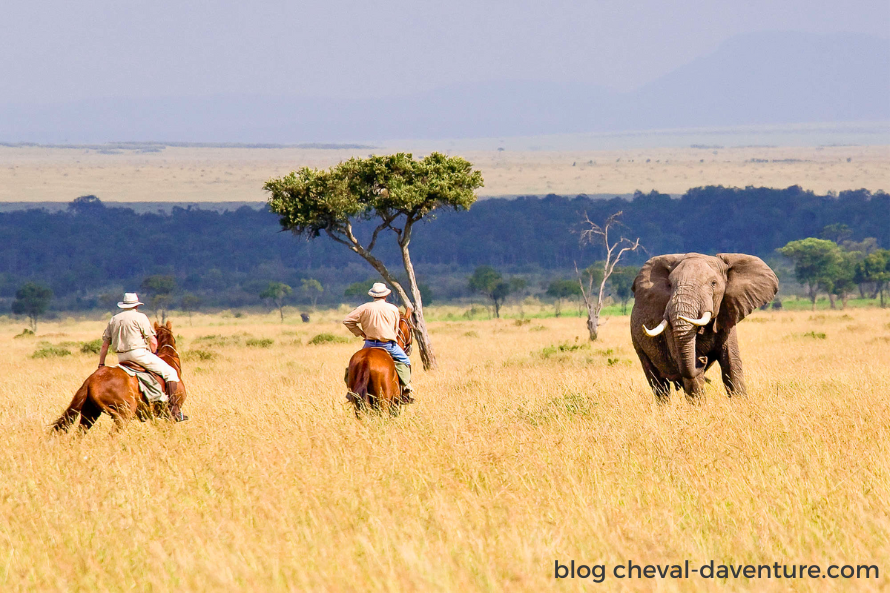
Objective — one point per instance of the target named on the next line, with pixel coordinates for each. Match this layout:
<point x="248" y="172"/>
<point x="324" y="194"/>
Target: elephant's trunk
<point x="684" y="310"/>
<point x="686" y="358"/>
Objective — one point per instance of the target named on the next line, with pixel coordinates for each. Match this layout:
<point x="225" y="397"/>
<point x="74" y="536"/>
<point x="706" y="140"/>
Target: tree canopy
<point x="277" y="292"/>
<point x="32" y="299"/>
<point x="393" y="193"/>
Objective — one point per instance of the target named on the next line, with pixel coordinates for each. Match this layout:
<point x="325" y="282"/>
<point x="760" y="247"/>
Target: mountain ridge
<point x="751" y="79"/>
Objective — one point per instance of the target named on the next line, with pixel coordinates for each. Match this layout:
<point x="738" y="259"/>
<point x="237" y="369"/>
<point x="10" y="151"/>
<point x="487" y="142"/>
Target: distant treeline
<point x="90" y="252"/>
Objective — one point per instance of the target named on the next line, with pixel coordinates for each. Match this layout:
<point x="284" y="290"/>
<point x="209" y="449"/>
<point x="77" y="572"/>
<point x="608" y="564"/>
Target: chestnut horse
<point x="113" y="391"/>
<point x="371" y="376"/>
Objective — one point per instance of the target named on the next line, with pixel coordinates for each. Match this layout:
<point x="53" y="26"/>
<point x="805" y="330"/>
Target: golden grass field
<point x="517" y="454"/>
<point x="180" y="174"/>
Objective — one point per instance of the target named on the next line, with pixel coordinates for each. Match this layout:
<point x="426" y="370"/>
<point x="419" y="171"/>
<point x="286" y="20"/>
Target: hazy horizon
<point x="281" y="73"/>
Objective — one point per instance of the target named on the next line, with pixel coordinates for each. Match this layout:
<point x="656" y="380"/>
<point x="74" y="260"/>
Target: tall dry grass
<point x="519" y="452"/>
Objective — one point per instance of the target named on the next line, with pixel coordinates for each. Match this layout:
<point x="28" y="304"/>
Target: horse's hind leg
<point x="88" y="415"/>
<point x="121" y="415"/>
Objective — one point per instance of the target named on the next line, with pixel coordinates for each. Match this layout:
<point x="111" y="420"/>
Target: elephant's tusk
<point x="658" y="329"/>
<point x="699" y="322"/>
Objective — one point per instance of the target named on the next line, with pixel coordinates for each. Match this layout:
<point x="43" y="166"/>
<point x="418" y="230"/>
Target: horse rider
<point x="379" y="322"/>
<point x="133" y="338"/>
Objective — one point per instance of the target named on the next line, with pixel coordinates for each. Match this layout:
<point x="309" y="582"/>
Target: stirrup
<point x="405" y="396"/>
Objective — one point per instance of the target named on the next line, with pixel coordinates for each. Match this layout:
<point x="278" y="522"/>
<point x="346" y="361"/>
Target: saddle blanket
<point x="148" y="385"/>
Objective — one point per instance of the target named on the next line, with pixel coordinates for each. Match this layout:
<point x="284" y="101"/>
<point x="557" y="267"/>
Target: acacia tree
<point x="488" y="281"/>
<point x="277" y="292"/>
<point x="395" y="192"/>
<point x="189" y="303"/>
<point x="559" y="290"/>
<point x="33" y="300"/>
<point x="815" y="264"/>
<point x="622" y="280"/>
<point x="842" y="282"/>
<point x="160" y="290"/>
<point x="596" y="234"/>
<point x="875" y="270"/>
<point x="312" y="288"/>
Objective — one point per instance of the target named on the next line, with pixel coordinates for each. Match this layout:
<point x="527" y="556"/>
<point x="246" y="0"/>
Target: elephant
<point x="692" y="303"/>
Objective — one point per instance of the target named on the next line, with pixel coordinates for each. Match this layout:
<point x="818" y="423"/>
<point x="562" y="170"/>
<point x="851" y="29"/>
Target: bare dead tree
<point x="596" y="234"/>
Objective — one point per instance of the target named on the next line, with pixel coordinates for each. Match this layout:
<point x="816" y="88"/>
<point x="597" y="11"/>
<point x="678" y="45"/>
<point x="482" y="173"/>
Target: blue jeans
<point x="394" y="350"/>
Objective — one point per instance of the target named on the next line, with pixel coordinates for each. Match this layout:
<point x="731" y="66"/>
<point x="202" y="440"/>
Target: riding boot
<point x="404" y="372"/>
<point x="173" y="404"/>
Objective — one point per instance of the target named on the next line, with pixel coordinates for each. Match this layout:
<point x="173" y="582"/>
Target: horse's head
<point x="405" y="336"/>
<point x="165" y="334"/>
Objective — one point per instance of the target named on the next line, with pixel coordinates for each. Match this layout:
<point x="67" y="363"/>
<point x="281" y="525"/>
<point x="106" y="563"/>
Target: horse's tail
<point x="361" y="383"/>
<point x="70" y="415"/>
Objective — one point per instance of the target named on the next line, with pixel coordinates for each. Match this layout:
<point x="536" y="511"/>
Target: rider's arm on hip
<point x="352" y="323"/>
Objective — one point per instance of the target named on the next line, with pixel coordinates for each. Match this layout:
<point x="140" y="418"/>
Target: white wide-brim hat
<point x="379" y="290"/>
<point x="130" y="301"/>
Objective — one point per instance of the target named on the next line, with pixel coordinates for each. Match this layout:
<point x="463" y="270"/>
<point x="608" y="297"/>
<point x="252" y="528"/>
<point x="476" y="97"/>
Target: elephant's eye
<point x="713" y="284"/>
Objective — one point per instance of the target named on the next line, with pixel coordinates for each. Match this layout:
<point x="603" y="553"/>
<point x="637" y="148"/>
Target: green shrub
<point x="91" y="347"/>
<point x="813" y="334"/>
<point x="260" y="342"/>
<point x="327" y="338"/>
<point x="561" y="348"/>
<point x="45" y="350"/>
<point x="219" y="340"/>
<point x="26" y="333"/>
<point x="201" y="355"/>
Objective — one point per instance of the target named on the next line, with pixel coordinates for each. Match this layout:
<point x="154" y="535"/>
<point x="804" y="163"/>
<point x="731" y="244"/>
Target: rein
<point x="403" y="337"/>
<point x="170" y="347"/>
<point x="177" y="361"/>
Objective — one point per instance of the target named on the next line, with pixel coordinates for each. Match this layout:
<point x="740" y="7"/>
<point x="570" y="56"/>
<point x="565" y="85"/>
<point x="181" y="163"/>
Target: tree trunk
<point x="831" y="300"/>
<point x="497" y="309"/>
<point x="593" y="323"/>
<point x="421" y="333"/>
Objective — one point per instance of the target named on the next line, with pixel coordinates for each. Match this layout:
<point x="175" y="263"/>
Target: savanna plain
<point x="224" y="174"/>
<point x="528" y="445"/>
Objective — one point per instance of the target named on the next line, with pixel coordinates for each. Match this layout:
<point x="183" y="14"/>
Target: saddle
<point x="138" y="368"/>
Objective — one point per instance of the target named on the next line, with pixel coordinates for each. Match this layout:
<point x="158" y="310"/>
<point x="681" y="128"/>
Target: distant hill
<point x="763" y="78"/>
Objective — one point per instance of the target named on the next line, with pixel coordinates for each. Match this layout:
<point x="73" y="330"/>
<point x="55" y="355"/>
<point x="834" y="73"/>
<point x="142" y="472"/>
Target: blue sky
<point x="60" y="50"/>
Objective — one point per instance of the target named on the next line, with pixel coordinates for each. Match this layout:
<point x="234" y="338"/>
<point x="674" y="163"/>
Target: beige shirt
<point x="129" y="330"/>
<point x="379" y="321"/>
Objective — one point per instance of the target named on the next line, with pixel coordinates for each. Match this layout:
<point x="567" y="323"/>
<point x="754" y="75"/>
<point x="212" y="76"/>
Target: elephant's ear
<point x="651" y="286"/>
<point x="750" y="284"/>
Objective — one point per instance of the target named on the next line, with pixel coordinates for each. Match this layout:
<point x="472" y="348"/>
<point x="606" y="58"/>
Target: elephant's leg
<point x="661" y="387"/>
<point x="731" y="366"/>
